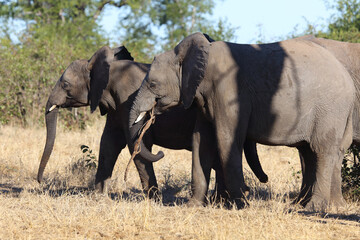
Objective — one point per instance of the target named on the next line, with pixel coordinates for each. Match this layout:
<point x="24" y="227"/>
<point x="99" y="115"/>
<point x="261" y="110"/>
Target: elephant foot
<point x="338" y="202"/>
<point x="194" y="203"/>
<point x="238" y="203"/>
<point x="101" y="187"/>
<point x="153" y="193"/>
<point x="217" y="197"/>
<point x="317" y="204"/>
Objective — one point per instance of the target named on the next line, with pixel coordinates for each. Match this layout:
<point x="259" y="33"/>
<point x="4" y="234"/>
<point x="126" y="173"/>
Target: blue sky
<point x="273" y="19"/>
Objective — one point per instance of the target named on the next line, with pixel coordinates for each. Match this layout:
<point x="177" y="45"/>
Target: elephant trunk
<point x="51" y="113"/>
<point x="144" y="151"/>
<point x="143" y="103"/>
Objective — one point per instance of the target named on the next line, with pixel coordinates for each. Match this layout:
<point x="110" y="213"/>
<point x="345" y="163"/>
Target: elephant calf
<point x="293" y="93"/>
<point x="109" y="80"/>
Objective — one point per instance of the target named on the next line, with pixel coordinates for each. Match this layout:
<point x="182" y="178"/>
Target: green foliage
<point x="88" y="159"/>
<point x="345" y="26"/>
<point x="58" y="32"/>
<point x="28" y="71"/>
<point x="158" y="25"/>
<point x="350" y="173"/>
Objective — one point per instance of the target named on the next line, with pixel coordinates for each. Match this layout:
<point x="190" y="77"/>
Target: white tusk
<point x="141" y="116"/>
<point x="52" y="108"/>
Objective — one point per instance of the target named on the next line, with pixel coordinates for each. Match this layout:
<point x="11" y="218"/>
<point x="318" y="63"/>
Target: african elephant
<point x="109" y="80"/>
<point x="293" y="93"/>
<point x="349" y="55"/>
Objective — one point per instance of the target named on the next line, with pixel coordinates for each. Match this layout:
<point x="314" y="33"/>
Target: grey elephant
<point x="348" y="55"/>
<point x="109" y="80"/>
<point x="292" y="93"/>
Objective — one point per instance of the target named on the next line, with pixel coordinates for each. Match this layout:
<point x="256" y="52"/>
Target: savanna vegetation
<point x="53" y="34"/>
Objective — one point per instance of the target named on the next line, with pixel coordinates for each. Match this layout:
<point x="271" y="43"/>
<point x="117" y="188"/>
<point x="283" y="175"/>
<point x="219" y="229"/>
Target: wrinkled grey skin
<point x="293" y="93"/>
<point x="347" y="54"/>
<point x="111" y="84"/>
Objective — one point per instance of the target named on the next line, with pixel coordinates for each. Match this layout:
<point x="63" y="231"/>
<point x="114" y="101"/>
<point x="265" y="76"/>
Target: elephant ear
<point x="208" y="38"/>
<point x="121" y="53"/>
<point x="192" y="53"/>
<point x="99" y="66"/>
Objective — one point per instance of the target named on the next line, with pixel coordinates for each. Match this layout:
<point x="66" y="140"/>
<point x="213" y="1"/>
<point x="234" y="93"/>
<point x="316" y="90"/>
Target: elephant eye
<point x="66" y="85"/>
<point x="152" y="85"/>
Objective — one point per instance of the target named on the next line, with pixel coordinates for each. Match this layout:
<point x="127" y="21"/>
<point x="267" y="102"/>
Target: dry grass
<point x="64" y="207"/>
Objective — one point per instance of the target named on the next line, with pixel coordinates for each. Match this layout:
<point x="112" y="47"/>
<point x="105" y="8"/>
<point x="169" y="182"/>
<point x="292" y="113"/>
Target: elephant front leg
<point x="112" y="142"/>
<point x="230" y="138"/>
<point x="203" y="154"/>
<point x="147" y="177"/>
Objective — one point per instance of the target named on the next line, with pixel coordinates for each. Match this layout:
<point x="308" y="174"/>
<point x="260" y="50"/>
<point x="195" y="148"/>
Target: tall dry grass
<point x="64" y="206"/>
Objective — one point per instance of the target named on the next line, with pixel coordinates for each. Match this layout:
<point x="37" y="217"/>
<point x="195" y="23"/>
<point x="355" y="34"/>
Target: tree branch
<point x="113" y="3"/>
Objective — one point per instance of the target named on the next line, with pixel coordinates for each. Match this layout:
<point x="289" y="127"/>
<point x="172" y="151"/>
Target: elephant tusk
<point x="52" y="108"/>
<point x="141" y="116"/>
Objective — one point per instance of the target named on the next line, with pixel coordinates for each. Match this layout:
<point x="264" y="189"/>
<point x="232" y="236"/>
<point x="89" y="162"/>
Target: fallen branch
<point x="137" y="147"/>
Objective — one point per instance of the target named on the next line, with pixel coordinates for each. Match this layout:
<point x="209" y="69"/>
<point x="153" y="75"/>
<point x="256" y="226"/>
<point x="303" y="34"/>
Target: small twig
<point x="137" y="147"/>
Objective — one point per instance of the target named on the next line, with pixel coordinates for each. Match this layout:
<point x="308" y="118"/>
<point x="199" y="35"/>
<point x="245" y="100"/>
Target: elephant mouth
<point x="141" y="116"/>
<point x="159" y="109"/>
<point x="51" y="108"/>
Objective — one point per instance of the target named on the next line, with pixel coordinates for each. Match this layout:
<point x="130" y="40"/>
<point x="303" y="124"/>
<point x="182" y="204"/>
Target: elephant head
<point x="175" y="83"/>
<point x="81" y="84"/>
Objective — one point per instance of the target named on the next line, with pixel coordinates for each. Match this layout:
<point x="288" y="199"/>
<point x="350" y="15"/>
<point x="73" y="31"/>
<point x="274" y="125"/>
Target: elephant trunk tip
<point x="157" y="157"/>
<point x="39" y="178"/>
<point x="264" y="179"/>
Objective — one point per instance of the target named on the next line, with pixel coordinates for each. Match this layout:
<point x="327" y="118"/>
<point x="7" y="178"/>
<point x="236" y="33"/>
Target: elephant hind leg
<point x="308" y="167"/>
<point x="336" y="197"/>
<point x="321" y="195"/>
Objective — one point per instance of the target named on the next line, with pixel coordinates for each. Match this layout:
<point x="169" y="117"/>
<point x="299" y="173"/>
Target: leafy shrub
<point x="88" y="159"/>
<point x="351" y="173"/>
<point x="28" y="72"/>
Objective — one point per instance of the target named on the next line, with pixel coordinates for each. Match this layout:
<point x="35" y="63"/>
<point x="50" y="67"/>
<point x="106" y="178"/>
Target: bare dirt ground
<point x="65" y="207"/>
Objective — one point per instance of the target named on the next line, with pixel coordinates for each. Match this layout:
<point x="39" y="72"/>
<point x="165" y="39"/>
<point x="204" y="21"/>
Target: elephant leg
<point x="145" y="168"/>
<point x="204" y="153"/>
<point x="220" y="187"/>
<point x="111" y="144"/>
<point x="308" y="169"/>
<point x="322" y="188"/>
<point x="147" y="176"/>
<point x="252" y="159"/>
<point x="230" y="138"/>
<point x="336" y="197"/>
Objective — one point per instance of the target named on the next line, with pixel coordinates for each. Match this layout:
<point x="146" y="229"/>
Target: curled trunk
<point x="144" y="151"/>
<point x="51" y="120"/>
<point x="144" y="101"/>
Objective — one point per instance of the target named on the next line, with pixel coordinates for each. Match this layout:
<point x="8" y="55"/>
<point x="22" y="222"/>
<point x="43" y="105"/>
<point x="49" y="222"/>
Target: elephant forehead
<point x="161" y="68"/>
<point x="73" y="71"/>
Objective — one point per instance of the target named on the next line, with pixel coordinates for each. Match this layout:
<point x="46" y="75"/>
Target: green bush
<point x="28" y="72"/>
<point x="350" y="173"/>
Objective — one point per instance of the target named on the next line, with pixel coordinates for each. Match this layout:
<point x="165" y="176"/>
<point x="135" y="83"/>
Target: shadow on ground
<point x="168" y="198"/>
<point x="132" y="194"/>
